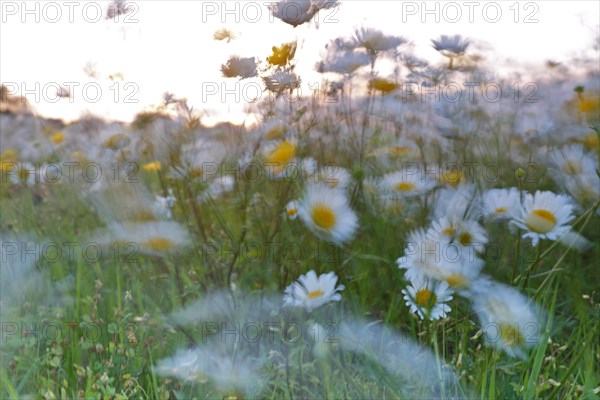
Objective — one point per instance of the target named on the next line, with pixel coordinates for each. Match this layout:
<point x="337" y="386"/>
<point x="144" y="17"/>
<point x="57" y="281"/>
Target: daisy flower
<point x="509" y="319"/>
<point x="333" y="176"/>
<point x="451" y="45"/>
<point x="573" y="160"/>
<point x="458" y="202"/>
<point x="280" y="156"/>
<point x="462" y="232"/>
<point x="326" y="213"/>
<point x="427" y="298"/>
<point x="156" y="238"/>
<point x="545" y="215"/>
<point x="424" y="257"/>
<point x="242" y="67"/>
<point x="374" y="41"/>
<point x="500" y="204"/>
<point x="312" y="292"/>
<point x="291" y="210"/>
<point x="405" y="183"/>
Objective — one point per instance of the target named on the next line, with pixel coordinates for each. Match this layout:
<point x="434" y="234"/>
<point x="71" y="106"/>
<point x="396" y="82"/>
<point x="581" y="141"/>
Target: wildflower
<point x="570" y="161"/>
<point x="500" y="204"/>
<point x="242" y="67"/>
<point x="383" y="85"/>
<point x="282" y="55"/>
<point x="298" y="12"/>
<point x="451" y="46"/>
<point x="326" y="213"/>
<point x="280" y="156"/>
<point x="291" y="210"/>
<point x="58" y="138"/>
<point x="154" y="238"/>
<point x="405" y="183"/>
<point x="280" y="81"/>
<point x="341" y="60"/>
<point x="333" y="176"/>
<point x="544" y="215"/>
<point x="164" y="204"/>
<point x="461" y="232"/>
<point x="312" y="292"/>
<point x="427" y="298"/>
<point x="223" y="33"/>
<point x="508" y="318"/>
<point x="117" y="141"/>
<point x="375" y="41"/>
<point x="425" y="257"/>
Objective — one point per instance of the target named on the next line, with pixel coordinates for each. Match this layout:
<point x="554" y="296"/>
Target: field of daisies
<point x="364" y="242"/>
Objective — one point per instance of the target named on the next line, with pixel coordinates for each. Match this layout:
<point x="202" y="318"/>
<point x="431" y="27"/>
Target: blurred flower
<point x="451" y="46"/>
<point x="312" y="292"/>
<point x="224" y="371"/>
<point x="282" y="55"/>
<point x="383" y="85"/>
<point x="427" y="298"/>
<point x="499" y="204"/>
<point x="544" y="215"/>
<point x="291" y="210"/>
<point x="405" y="183"/>
<point x="223" y="33"/>
<point x="242" y="67"/>
<point x="164" y="204"/>
<point x="280" y="81"/>
<point x="297" y="12"/>
<point x="280" y="156"/>
<point x="509" y="319"/>
<point x="326" y="213"/>
<point x="375" y="41"/>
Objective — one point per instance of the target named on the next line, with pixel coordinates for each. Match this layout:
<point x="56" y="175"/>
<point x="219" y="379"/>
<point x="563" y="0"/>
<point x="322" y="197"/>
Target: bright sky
<point x="168" y="46"/>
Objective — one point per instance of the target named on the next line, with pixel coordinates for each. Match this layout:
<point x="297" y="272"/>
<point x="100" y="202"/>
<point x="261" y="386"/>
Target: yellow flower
<point x="383" y="85"/>
<point x="152" y="166"/>
<point x="282" y="55"/>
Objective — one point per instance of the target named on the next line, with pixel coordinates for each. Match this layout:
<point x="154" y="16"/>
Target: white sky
<point x="168" y="45"/>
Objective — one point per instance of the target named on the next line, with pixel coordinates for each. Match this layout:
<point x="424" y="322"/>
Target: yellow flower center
<point x="465" y="238"/>
<point x="511" y="335"/>
<point x="501" y="210"/>
<point x="283" y="154"/>
<point x="291" y="212"/>
<point x="160" y="244"/>
<point x="323" y="216"/>
<point x="592" y="141"/>
<point x="383" y="85"/>
<point x="572" y="168"/>
<point x="452" y="177"/>
<point x="57" y="138"/>
<point x="425" y="298"/>
<point x="457" y="281"/>
<point x="449" y="231"/>
<point x="399" y="150"/>
<point x="152" y="166"/>
<point x="282" y="55"/>
<point x="314" y="294"/>
<point x="540" y="221"/>
<point x="404" y="187"/>
<point x="117" y="141"/>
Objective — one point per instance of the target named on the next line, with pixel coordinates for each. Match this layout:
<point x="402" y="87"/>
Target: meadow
<point x="401" y="235"/>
